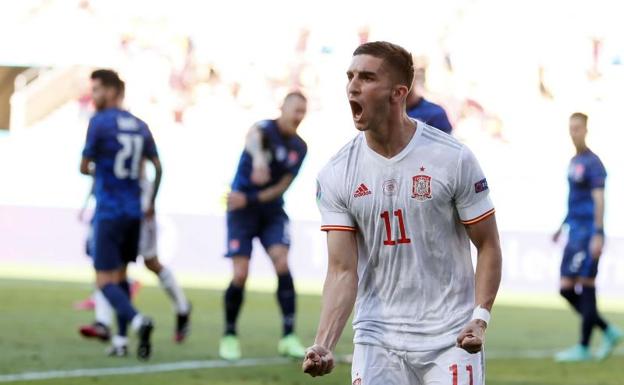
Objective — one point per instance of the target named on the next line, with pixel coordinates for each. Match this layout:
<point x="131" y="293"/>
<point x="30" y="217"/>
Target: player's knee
<point x="153" y="264"/>
<point x="281" y="265"/>
<point x="240" y="278"/>
<point x="567" y="292"/>
<point x="103" y="278"/>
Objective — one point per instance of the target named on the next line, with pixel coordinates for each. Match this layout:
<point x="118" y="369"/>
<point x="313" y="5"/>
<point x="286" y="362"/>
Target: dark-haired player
<point x="400" y="204"/>
<point x="271" y="160"/>
<point x="117" y="142"/>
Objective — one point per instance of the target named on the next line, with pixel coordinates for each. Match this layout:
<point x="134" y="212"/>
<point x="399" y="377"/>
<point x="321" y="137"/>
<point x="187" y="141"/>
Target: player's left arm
<point x="484" y="235"/>
<point x="597" y="241"/>
<point x="150" y="153"/>
<point x="155" y="160"/>
<point x="277" y="190"/>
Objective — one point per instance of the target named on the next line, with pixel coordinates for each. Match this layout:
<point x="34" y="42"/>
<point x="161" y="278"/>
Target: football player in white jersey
<point x="400" y="204"/>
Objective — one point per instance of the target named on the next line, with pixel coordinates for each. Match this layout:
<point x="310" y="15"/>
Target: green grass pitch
<point x="38" y="333"/>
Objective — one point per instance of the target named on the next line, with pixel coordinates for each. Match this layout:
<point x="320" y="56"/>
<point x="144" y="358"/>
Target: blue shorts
<point x="267" y="222"/>
<point x="577" y="260"/>
<point x="115" y="242"/>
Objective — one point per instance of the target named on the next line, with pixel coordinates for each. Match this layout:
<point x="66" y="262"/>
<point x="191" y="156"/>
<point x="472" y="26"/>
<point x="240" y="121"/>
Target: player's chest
<point x="577" y="172"/>
<point x="282" y="155"/>
<point x="410" y="191"/>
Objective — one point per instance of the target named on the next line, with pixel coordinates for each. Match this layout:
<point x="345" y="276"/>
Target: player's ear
<point x="399" y="92"/>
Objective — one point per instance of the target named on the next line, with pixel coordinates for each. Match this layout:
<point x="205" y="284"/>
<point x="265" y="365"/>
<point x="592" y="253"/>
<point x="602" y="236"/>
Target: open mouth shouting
<point x="356" y="110"/>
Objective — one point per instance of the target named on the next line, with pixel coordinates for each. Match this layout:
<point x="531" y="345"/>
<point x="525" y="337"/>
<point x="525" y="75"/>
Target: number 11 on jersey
<point x="403" y="237"/>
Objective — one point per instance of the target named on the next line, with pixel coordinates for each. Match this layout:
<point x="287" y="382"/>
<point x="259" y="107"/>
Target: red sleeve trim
<point x="337" y="228"/>
<point x="479" y="218"/>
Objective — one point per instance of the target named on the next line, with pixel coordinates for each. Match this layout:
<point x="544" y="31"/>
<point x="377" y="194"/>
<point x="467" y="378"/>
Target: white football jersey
<point x="416" y="279"/>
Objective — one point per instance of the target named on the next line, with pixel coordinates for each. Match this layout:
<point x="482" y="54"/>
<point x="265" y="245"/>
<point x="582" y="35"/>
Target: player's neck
<point x="581" y="148"/>
<point x="280" y="127"/>
<point x="391" y="138"/>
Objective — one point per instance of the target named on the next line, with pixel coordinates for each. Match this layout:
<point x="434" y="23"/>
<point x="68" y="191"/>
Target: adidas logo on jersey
<point x="361" y="191"/>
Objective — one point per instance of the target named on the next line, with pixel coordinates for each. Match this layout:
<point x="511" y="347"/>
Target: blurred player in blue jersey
<point x="272" y="157"/>
<point x="148" y="249"/>
<point x="117" y="142"/>
<point x="579" y="267"/>
<point x="420" y="108"/>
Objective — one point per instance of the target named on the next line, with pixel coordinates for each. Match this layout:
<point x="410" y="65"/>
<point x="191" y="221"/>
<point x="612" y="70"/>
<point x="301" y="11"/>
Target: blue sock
<point x="589" y="312"/>
<point x="572" y="297"/>
<point x="125" y="286"/>
<point x="286" y="299"/>
<point x="233" y="299"/>
<point x="121" y="303"/>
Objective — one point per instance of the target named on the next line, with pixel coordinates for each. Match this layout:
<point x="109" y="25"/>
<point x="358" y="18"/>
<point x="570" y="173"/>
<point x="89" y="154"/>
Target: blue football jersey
<point x="430" y="113"/>
<point x="586" y="172"/>
<point x="117" y="142"/>
<point x="286" y="154"/>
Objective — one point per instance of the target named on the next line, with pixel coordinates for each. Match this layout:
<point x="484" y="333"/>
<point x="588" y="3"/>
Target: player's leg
<point x="229" y="347"/>
<point x="141" y="324"/>
<point x="241" y="228"/>
<point x="108" y="264"/>
<point x="574" y="256"/>
<point x="104" y="312"/>
<point x="149" y="250"/>
<point x="275" y="238"/>
<point x="591" y="317"/>
<point x="374" y="365"/>
<point x="451" y="366"/>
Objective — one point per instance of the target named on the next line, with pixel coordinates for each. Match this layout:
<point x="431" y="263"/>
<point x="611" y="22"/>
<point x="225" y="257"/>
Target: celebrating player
<point x="400" y="204"/>
<point x="272" y="157"/>
<point x="116" y="144"/>
<point x="586" y="177"/>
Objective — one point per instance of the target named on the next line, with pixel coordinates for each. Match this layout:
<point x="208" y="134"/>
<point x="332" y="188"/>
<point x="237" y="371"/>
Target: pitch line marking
<point x="212" y="364"/>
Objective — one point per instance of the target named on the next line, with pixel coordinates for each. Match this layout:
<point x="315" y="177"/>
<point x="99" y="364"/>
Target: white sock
<point x="119" y="341"/>
<point x="136" y="322"/>
<point x="168" y="282"/>
<point x="103" y="309"/>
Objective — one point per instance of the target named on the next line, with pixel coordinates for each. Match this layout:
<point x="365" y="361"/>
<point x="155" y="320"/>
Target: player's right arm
<point x="339" y="294"/>
<point x="260" y="173"/>
<point x="89" y="152"/>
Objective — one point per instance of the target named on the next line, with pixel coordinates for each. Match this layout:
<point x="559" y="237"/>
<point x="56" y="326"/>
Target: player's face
<point x="578" y="131"/>
<point x="293" y="112"/>
<point x="369" y="89"/>
<point x="102" y="95"/>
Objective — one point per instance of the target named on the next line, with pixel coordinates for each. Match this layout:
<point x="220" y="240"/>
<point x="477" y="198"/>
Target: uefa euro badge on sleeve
<point x="421" y="186"/>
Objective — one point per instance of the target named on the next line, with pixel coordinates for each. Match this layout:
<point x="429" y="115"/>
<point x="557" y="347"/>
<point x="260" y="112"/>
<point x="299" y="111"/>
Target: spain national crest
<point x="421" y="187"/>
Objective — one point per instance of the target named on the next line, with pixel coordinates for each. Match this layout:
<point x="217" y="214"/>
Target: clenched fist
<point x="318" y="361"/>
<point x="472" y="336"/>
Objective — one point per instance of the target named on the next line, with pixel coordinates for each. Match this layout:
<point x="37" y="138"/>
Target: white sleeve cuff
<point x="477" y="211"/>
<point x="331" y="220"/>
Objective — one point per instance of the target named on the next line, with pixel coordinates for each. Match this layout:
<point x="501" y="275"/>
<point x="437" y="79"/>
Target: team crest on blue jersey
<point x="293" y="158"/>
<point x="576" y="172"/>
<point x="421" y="187"/>
<point x="481" y="186"/>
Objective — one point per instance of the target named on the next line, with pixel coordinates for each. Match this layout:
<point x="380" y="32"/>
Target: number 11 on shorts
<point x="454" y="372"/>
